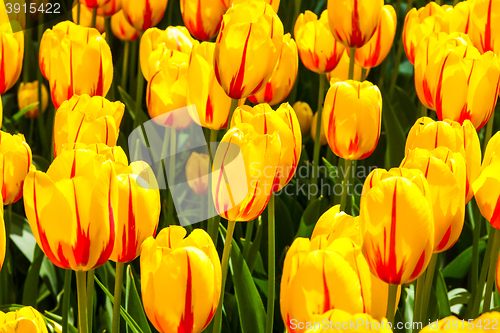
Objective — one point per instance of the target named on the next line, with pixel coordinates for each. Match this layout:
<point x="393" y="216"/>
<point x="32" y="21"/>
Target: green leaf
<point x="134" y="306"/>
<point x="461" y="265"/>
<point x="41" y="163"/>
<point x="53" y="318"/>
<point x="310" y="217"/>
<point x="333" y="173"/>
<point x="442" y="295"/>
<point x="30" y="292"/>
<point x="395" y="135"/>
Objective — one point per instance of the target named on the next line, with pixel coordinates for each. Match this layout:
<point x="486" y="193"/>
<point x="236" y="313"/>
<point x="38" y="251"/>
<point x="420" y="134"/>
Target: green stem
<point x="28" y="39"/>
<point x="417" y="308"/>
<point x="363" y="73"/>
<point x="107" y="29"/>
<point x="78" y="13"/>
<point x="82" y="302"/>
<point x="213" y="221"/>
<point x="477" y="223"/>
<point x="171" y="176"/>
<point x="489" y="131"/>
<point x="317" y="144"/>
<point x="118" y="296"/>
<point x="66" y="299"/>
<point x="271" y="265"/>
<point x="126" y="54"/>
<point x="90" y="296"/>
<point x="140" y="87"/>
<point x="423" y="111"/>
<point x="41" y="122"/>
<point x="426" y="294"/>
<point x="391" y="302"/>
<point x="492" y="269"/>
<point x="234" y="105"/>
<point x="455" y="2"/>
<point x="94" y="17"/>
<point x="352" y="61"/>
<point x="345" y="184"/>
<point x="225" y="266"/>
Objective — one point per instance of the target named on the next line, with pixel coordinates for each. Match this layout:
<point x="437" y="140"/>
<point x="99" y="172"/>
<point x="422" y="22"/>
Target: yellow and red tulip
<point x="3" y="239"/>
<point x="144" y="14"/>
<point x="203" y="18"/>
<point x="27" y="94"/>
<point x="492" y="152"/>
<point x="197" y="168"/>
<point x="181" y="280"/>
<point x="459" y="16"/>
<point x="94" y="3"/>
<point x="353" y="114"/>
<point x="338" y="319"/>
<point x="24" y="320"/>
<point x="274" y="3"/>
<point x="341" y="72"/>
<point x="11" y="56"/>
<point x="58" y="32"/>
<point x="485" y="25"/>
<point x="304" y="115"/>
<point x="335" y="224"/>
<point x="122" y="29"/>
<point x="110" y="9"/>
<point x="86" y="18"/>
<point x="247" y="48"/>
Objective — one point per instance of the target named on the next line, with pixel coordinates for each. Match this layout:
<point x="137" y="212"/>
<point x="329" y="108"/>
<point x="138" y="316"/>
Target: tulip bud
<point x="322" y="136"/>
<point x="376" y="50"/>
<point x="25" y="320"/>
<point x="250" y="178"/>
<point x="144" y="14"/>
<point x="122" y="29"/>
<point x="204" y="91"/>
<point x="202" y="18"/>
<point x="337" y="317"/>
<point x="283" y="79"/>
<point x="15" y="157"/>
<point x="87" y="120"/>
<point x="353" y="22"/>
<point x="181" y="280"/>
<point x="3" y="241"/>
<point x="341" y="72"/>
<point x="319" y="51"/>
<point x="197" y="168"/>
<point x="11" y="58"/>
<point x="86" y="18"/>
<point x="353" y="114"/>
<point x="110" y="9"/>
<point x="250" y="32"/>
<point x="94" y="3"/>
<point x="27" y="94"/>
<point x="80" y="189"/>
<point x="304" y="115"/>
<point x="485" y="25"/>
<point x="336" y="224"/>
<point x="487" y="192"/>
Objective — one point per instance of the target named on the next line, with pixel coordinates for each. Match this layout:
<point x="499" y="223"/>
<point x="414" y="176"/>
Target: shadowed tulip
<point x="197" y="168"/>
<point x="27" y="94"/>
<point x="304" y="114"/>
<point x="110" y="9"/>
<point x="144" y="14"/>
<point x="122" y="29"/>
<point x="203" y="18"/>
<point x="86" y="18"/>
<point x="94" y="3"/>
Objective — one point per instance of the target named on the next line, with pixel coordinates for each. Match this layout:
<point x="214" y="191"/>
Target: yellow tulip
<point x="485" y="25"/>
<point x="24" y="320"/>
<point x="17" y="18"/>
<point x="197" y="168"/>
<point x="122" y="29"/>
<point x="341" y="72"/>
<point x="486" y="186"/>
<point x="241" y="188"/>
<point x="283" y="79"/>
<point x="15" y="157"/>
<point x="144" y="14"/>
<point x="376" y="50"/>
<point x="274" y="3"/>
<point x="181" y="280"/>
<point x="459" y="17"/>
<point x="94" y="3"/>
<point x="445" y="174"/>
<point x="114" y="154"/>
<point x="110" y="9"/>
<point x="87" y="120"/>
<point x="397" y="224"/>
<point x="27" y="94"/>
<point x="429" y="134"/>
<point x="336" y="224"/>
<point x="79" y="62"/>
<point x="3" y="240"/>
<point x="353" y="22"/>
<point x="353" y="114"/>
<point x="80" y="189"/>
<point x="86" y="18"/>
<point x="11" y="56"/>
<point x="319" y="51"/>
<point x="483" y="323"/>
<point x="304" y="114"/>
<point x="338" y="319"/>
<point x="204" y="91"/>
<point x="322" y="135"/>
<point x="247" y="48"/>
<point x="492" y="152"/>
<point x="203" y="18"/>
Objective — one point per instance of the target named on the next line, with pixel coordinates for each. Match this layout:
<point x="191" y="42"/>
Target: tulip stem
<point x="271" y="280"/>
<point x="213" y="221"/>
<point x="90" y="296"/>
<point x="477" y="225"/>
<point x="171" y="176"/>
<point x="82" y="301"/>
<point x="118" y="296"/>
<point x="352" y="60"/>
<point x="363" y="73"/>
<point x="391" y="302"/>
<point x="78" y="13"/>
<point x="492" y="269"/>
<point x="345" y="184"/>
<point x="429" y="278"/>
<point x="489" y="131"/>
<point x="317" y="144"/>
<point x="225" y="262"/>
<point x="234" y="105"/>
<point x="41" y="122"/>
<point x="107" y="29"/>
<point x="140" y="87"/>
<point x="418" y="298"/>
<point x="126" y="54"/>
<point x="455" y="2"/>
<point x="423" y="111"/>
<point x="66" y="299"/>
<point x="94" y="17"/>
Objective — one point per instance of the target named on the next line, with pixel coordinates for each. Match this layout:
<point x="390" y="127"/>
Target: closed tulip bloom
<point x="11" y="56"/>
<point x="304" y="114"/>
<point x="336" y="224"/>
<point x="341" y="72"/>
<point x="274" y="3"/>
<point x="86" y="18"/>
<point x="484" y="28"/>
<point x="15" y="157"/>
<point x="3" y="239"/>
<point x="122" y="29"/>
<point x="322" y="136"/>
<point x="492" y="152"/>
<point x="80" y="189"/>
<point x="24" y="320"/>
<point x="376" y="50"/>
<point x="337" y="317"/>
<point x="27" y="94"/>
<point x="87" y="120"/>
<point x="247" y="48"/>
<point x="486" y="193"/>
<point x="445" y="174"/>
<point x="319" y="51"/>
<point x="181" y="280"/>
<point x="144" y="14"/>
<point x="16" y="18"/>
<point x="204" y="91"/>
<point x="250" y="178"/>
<point x="353" y="113"/>
<point x="459" y="17"/>
<point x="110" y="9"/>
<point x="397" y="224"/>
<point x="203" y="18"/>
<point x="94" y="3"/>
<point x="197" y="168"/>
<point x="58" y="32"/>
<point x="353" y="22"/>
<point x="114" y="154"/>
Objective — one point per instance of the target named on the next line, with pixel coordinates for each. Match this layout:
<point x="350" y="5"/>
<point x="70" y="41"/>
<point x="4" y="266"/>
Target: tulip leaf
<point x="395" y="136"/>
<point x="442" y="295"/>
<point x="41" y="163"/>
<point x="332" y="173"/>
<point x="134" y="306"/>
<point x="30" y="292"/>
<point x="130" y="106"/>
<point x="311" y="216"/>
<point x="53" y="319"/>
<point x="461" y="265"/>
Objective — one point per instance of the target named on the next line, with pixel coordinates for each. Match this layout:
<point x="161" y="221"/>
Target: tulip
<point x="212" y="105"/>
<point x="86" y="18"/>
<point x="283" y="121"/>
<point x="114" y="154"/>
<point x="459" y="17"/>
<point x="397" y="223"/>
<point x="337" y="318"/>
<point x="445" y="174"/>
<point x="110" y="9"/>
<point x="87" y="120"/>
<point x="11" y="56"/>
<point x="94" y="3"/>
<point x="16" y="157"/>
<point x="322" y="136"/>
<point x="341" y="72"/>
<point x="274" y="3"/>
<point x="27" y="94"/>
<point x="80" y="189"/>
<point x="250" y="178"/>
<point x="319" y="51"/>
<point x="336" y="224"/>
<point x="429" y="134"/>
<point x="484" y="25"/>
<point x="353" y="113"/>
<point x="247" y="48"/>
<point x="353" y="22"/>
<point x="304" y="114"/>
<point x="144" y="14"/>
<point x="24" y="320"/>
<point x="376" y="50"/>
<point x="3" y="240"/>
<point x="454" y="324"/>
<point x="492" y="152"/>
<point x="80" y="62"/>
<point x="197" y="168"/>
<point x="203" y="18"/>
<point x="486" y="191"/>
<point x="181" y="280"/>
<point x="122" y="29"/>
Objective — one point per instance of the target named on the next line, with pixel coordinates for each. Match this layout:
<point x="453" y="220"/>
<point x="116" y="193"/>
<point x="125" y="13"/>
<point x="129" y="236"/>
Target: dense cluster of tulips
<point x="374" y="258"/>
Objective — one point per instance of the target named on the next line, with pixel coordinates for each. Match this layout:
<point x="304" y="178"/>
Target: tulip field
<point x="253" y="166"/>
